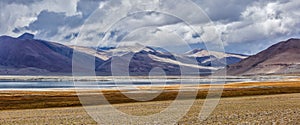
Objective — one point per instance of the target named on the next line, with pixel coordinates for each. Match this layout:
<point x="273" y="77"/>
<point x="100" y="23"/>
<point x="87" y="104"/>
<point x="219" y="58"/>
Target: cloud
<point x="262" y="21"/>
<point x="87" y="7"/>
<point x="118" y="18"/>
<point x="257" y="23"/>
<point x="124" y="17"/>
<point x="27" y="2"/>
<point x="224" y="10"/>
<point x="48" y="23"/>
<point x="12" y="17"/>
<point x="16" y="14"/>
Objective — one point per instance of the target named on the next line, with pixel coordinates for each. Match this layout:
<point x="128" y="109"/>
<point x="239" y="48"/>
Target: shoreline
<point x="20" y="99"/>
<point x="16" y="78"/>
<point x="240" y="84"/>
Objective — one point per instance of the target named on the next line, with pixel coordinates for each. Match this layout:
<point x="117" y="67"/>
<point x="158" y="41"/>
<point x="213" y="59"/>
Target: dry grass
<point x="276" y="109"/>
<point x="47" y="99"/>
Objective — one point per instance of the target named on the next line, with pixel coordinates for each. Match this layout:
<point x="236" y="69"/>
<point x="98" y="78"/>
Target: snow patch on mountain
<point x="219" y="55"/>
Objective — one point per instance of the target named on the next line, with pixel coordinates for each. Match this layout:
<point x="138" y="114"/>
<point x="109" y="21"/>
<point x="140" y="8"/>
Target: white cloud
<point x="13" y="16"/>
<point x="235" y="21"/>
<point x="262" y="21"/>
<point x="20" y="14"/>
<point x="67" y="6"/>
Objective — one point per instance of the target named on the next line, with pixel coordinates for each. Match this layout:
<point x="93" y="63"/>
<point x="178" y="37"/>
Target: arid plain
<point x="272" y="102"/>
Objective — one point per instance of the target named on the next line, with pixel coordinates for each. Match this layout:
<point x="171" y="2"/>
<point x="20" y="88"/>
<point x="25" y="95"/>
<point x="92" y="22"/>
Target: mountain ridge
<point x="19" y="56"/>
<point x="25" y="55"/>
<point x="274" y="60"/>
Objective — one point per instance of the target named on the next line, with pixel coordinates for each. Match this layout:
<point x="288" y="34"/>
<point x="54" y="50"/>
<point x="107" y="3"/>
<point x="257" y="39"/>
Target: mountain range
<point x="26" y="55"/>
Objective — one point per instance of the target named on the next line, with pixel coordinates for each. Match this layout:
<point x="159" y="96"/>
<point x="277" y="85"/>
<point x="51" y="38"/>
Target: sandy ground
<point x="268" y="109"/>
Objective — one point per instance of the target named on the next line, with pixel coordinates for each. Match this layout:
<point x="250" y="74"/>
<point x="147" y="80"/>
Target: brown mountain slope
<point x="28" y="56"/>
<point x="281" y="58"/>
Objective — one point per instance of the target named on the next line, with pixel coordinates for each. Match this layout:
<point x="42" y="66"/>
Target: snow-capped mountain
<point x="130" y="48"/>
<point x="26" y="55"/>
<point x="213" y="58"/>
<point x="142" y="59"/>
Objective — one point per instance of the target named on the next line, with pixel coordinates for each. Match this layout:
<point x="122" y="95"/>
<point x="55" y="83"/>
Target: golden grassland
<point x="45" y="99"/>
<point x="280" y="109"/>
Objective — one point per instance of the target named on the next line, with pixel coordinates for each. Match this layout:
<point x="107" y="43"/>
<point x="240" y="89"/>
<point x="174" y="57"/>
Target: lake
<point x="126" y="83"/>
<point x="121" y="83"/>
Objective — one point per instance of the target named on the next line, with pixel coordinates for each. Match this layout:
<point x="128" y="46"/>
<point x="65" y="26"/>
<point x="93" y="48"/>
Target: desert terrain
<point x="266" y="109"/>
<point x="250" y="103"/>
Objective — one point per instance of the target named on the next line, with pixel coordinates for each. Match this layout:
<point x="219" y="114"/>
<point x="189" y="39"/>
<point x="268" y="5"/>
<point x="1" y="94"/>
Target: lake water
<point x="127" y="83"/>
<point x="8" y="85"/>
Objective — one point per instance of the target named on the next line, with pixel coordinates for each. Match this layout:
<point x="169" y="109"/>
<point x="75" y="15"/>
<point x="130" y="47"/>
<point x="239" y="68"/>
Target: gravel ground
<point x="268" y="109"/>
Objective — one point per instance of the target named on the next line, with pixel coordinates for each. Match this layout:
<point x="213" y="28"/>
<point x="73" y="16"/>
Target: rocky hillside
<point x="281" y="58"/>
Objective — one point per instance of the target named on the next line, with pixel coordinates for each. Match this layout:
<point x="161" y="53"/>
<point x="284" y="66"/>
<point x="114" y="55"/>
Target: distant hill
<point x="281" y="58"/>
<point x="26" y="55"/>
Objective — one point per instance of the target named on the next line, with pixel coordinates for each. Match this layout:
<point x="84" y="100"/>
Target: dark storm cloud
<point x="48" y="23"/>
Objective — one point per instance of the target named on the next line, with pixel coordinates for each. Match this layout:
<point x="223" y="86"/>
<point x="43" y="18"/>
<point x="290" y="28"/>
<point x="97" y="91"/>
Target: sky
<point x="239" y="26"/>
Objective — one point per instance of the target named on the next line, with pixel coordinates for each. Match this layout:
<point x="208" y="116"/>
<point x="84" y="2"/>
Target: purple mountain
<point x="28" y="56"/>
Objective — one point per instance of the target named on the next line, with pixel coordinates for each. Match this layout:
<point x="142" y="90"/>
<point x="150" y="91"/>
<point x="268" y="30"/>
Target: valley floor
<point x="271" y="109"/>
<point x="272" y="102"/>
